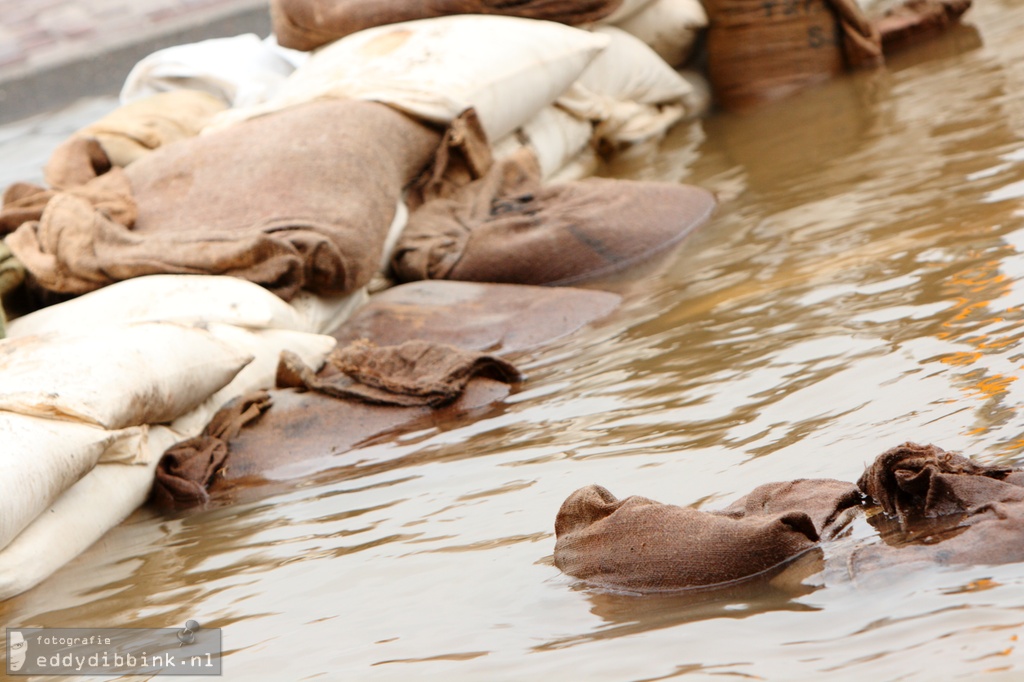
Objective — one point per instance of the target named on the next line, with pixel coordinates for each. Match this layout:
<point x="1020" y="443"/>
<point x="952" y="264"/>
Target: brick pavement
<point x="53" y="51"/>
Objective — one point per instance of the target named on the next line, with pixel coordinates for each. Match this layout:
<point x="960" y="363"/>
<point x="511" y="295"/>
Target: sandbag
<point x="309" y="24"/>
<point x="503" y="318"/>
<point x="629" y="92"/>
<point x="555" y="137"/>
<point x="117" y="376"/>
<point x="507" y="227"/>
<point x="505" y="68"/>
<point x="131" y="131"/>
<point x="915" y="20"/>
<point x="669" y="27"/>
<point x="79" y="517"/>
<point x="239" y="71"/>
<point x="185" y="299"/>
<point x="646" y="546"/>
<point x="265" y="347"/>
<point x="760" y="51"/>
<point x="41" y="458"/>
<point x="292" y="201"/>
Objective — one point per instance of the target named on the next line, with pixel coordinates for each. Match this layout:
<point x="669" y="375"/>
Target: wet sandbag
<point x="917" y="20"/>
<point x="760" y="51"/>
<point x="508" y="227"/>
<point x="500" y="318"/>
<point x="131" y="131"/>
<point x="41" y="458"/>
<point x="295" y="200"/>
<point x="308" y="24"/>
<point x="103" y="498"/>
<point x="505" y="68"/>
<point x="117" y="376"/>
<point x="641" y="545"/>
<point x="271" y="435"/>
<point x="410" y="374"/>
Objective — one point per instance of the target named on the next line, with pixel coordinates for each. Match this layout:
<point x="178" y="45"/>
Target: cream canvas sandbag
<point x="629" y="91"/>
<point x="41" y="458"/>
<point x="103" y="498"/>
<point x="187" y="299"/>
<point x="506" y="68"/>
<point x="265" y="347"/>
<point x="554" y="136"/>
<point x="118" y="376"/>
<point x="669" y="27"/>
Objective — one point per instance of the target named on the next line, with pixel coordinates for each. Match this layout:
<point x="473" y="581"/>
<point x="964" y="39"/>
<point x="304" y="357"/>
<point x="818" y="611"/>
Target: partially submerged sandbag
<point x="760" y="51"/>
<point x="41" y="458"/>
<point x="553" y="135"/>
<point x="508" y="227"/>
<point x="928" y="505"/>
<point x="308" y="24"/>
<point x="133" y="130"/>
<point x="505" y="68"/>
<point x="296" y="200"/>
<point x="79" y="517"/>
<point x="504" y="318"/>
<point x="117" y="376"/>
<point x="646" y="546"/>
<point x="239" y="71"/>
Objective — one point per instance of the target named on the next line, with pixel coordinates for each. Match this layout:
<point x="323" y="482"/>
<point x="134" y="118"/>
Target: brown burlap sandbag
<point x="293" y="200"/>
<point x="761" y="50"/>
<point x="915" y="20"/>
<point x="130" y="132"/>
<point x="308" y="24"/>
<point x="413" y="373"/>
<point x="508" y="227"/>
<point x="641" y="545"/>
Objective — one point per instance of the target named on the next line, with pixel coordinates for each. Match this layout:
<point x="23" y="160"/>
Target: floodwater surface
<point x="862" y="285"/>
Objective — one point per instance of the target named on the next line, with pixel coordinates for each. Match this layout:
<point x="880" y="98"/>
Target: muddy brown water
<point x="862" y="285"/>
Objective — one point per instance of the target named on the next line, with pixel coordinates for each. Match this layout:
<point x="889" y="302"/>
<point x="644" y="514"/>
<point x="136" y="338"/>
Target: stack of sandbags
<point x="86" y="416"/>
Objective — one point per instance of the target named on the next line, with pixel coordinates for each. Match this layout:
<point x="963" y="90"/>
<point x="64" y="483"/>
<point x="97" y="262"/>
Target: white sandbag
<point x="265" y="347"/>
<point x="583" y="165"/>
<point x="186" y="299"/>
<point x="506" y="68"/>
<point x="41" y="458"/>
<point x="554" y="136"/>
<point x="103" y="498"/>
<point x="117" y="376"/>
<point x="324" y="314"/>
<point x="242" y="70"/>
<point x="669" y="27"/>
<point x="628" y="91"/>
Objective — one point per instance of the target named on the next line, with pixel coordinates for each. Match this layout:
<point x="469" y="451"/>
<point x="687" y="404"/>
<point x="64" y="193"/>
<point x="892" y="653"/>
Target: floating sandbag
<point x="41" y="458"/>
<point x="99" y="501"/>
<point x="505" y="68"/>
<point x="131" y="131"/>
<point x="629" y="92"/>
<point x="239" y="71"/>
<point x="669" y="27"/>
<point x="503" y="318"/>
<point x="115" y="377"/>
<point x="308" y="24"/>
<point x="297" y="200"/>
<point x="507" y="227"/>
<point x="934" y="506"/>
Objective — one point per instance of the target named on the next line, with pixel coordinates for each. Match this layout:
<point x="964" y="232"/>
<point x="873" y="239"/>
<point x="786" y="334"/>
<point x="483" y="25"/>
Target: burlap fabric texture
<point x="934" y="506"/>
<point x="308" y="24"/>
